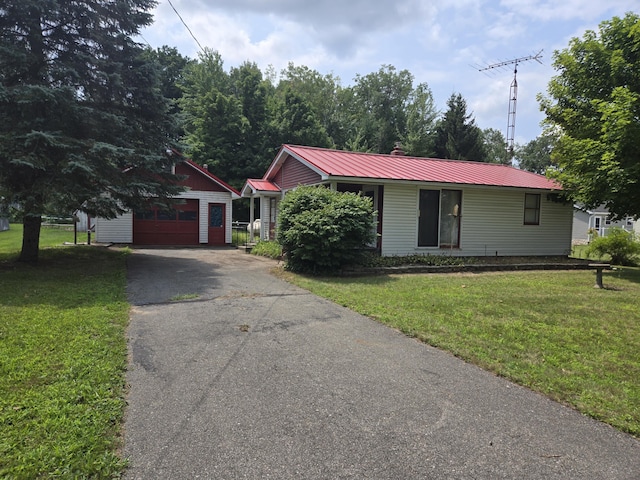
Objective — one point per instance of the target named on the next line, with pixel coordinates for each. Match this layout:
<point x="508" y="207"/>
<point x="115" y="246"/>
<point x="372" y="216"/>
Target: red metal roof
<point x="262" y="185"/>
<point x="340" y="163"/>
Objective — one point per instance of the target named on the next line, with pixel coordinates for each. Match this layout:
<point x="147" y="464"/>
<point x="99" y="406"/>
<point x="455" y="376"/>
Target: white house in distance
<point x="597" y="221"/>
<point x="428" y="206"/>
<point x="202" y="216"/>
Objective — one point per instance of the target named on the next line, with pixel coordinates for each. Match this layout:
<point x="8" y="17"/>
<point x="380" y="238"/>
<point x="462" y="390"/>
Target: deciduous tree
<point x="594" y="103"/>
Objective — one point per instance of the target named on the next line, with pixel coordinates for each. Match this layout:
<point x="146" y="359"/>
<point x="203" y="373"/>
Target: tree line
<point x="235" y="121"/>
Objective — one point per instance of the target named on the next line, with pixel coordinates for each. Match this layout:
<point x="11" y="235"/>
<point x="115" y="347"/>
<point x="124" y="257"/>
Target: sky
<point x="443" y="43"/>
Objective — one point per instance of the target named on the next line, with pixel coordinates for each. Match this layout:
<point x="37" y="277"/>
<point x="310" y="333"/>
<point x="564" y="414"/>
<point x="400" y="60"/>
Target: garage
<point x="201" y="214"/>
<point x="176" y="226"/>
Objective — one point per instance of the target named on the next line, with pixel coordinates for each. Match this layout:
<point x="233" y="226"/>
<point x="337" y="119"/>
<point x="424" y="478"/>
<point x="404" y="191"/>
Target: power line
<point x="186" y="26"/>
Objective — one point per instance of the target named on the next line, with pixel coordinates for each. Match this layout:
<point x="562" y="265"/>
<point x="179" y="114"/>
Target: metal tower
<point x="513" y="96"/>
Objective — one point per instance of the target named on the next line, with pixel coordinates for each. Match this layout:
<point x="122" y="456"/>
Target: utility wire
<point x="185" y="25"/>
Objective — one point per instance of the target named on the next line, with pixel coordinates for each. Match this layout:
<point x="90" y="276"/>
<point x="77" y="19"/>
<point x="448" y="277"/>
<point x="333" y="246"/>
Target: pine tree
<point x="457" y="135"/>
<point x="83" y="124"/>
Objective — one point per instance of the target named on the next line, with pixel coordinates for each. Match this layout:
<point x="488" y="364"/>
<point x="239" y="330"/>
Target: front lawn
<point x="550" y="331"/>
<point x="62" y="360"/>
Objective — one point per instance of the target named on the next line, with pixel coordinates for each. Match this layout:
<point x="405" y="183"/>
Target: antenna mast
<point x="513" y="96"/>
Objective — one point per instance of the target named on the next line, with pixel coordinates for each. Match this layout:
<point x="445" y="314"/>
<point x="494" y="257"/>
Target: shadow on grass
<point x="64" y="278"/>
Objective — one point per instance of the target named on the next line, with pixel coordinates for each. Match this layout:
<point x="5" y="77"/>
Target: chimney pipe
<point x="397" y="150"/>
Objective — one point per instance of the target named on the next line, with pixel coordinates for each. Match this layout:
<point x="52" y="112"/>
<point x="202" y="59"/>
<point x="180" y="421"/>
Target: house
<point x="425" y="205"/>
<point x="597" y="221"/>
<point x="202" y="215"/>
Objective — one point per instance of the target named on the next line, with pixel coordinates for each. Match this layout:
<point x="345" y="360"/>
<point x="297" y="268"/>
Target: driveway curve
<point x="236" y="374"/>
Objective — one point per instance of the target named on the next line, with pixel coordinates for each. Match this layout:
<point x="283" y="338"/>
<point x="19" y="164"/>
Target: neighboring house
<point x="588" y="223"/>
<point x="202" y="216"/>
<point x="428" y="206"/>
<point x="4" y="224"/>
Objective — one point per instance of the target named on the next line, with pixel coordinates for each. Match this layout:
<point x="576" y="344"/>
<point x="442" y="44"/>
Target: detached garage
<point x="201" y="215"/>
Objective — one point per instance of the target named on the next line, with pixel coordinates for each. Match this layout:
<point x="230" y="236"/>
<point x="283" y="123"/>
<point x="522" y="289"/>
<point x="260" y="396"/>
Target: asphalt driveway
<point x="235" y="374"/>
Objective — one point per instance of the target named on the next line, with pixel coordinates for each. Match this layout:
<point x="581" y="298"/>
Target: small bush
<point x="619" y="244"/>
<point x="267" y="249"/>
<point x="322" y="231"/>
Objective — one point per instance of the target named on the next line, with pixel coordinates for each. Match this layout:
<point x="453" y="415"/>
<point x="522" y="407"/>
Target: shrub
<point x="268" y="249"/>
<point x="619" y="244"/>
<point x="322" y="230"/>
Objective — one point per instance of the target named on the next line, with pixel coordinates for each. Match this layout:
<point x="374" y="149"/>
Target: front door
<point x="217" y="216"/>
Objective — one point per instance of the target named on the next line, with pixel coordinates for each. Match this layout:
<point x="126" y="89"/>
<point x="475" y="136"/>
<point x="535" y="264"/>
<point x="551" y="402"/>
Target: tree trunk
<point x="30" y="239"/>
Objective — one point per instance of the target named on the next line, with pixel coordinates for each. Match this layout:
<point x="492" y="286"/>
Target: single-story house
<point x="597" y="221"/>
<point x="426" y="205"/>
<point x="201" y="216"/>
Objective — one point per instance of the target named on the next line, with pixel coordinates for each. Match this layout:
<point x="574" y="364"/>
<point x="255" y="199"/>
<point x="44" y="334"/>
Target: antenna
<point x="513" y="96"/>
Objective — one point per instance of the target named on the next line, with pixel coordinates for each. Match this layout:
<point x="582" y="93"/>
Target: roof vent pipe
<point x="397" y="150"/>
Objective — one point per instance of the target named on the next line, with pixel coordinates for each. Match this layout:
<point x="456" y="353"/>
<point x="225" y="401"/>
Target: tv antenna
<point x="513" y="96"/>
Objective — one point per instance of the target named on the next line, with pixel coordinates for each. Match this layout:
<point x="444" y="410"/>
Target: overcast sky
<point x="441" y="42"/>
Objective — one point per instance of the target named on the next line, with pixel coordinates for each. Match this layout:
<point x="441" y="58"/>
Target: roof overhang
<point x="261" y="187"/>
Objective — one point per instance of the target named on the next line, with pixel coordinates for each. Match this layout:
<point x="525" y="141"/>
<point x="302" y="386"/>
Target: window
<point x="532" y="209"/>
<point x="187" y="215"/>
<point x="439" y="222"/>
<point x="216" y="216"/>
<point x="145" y="215"/>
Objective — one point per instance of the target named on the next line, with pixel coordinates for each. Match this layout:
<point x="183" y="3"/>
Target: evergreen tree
<point x="457" y="136"/>
<point x="83" y="123"/>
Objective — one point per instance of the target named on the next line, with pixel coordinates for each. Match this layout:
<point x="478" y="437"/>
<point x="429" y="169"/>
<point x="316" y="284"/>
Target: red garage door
<point x="177" y="226"/>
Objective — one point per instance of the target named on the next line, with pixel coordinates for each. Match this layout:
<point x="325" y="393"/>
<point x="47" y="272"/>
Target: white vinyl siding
<point x="400" y="220"/>
<point x="491" y="223"/>
<point x="205" y="199"/>
<point x="117" y="230"/>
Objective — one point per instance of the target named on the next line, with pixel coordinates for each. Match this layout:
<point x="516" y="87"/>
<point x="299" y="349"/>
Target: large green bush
<point x="321" y="230"/>
<point x="619" y="244"/>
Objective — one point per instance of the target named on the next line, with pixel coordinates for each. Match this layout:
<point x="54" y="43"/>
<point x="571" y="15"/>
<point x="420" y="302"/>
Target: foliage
<point x="621" y="245"/>
<point x="321" y="230"/>
<point x="457" y="136"/>
<point x="63" y="357"/>
<point x="267" y="249"/>
<point x="421" y="123"/>
<point x="375" y="260"/>
<point x="535" y="156"/>
<point x="83" y="124"/>
<point x="495" y="146"/>
<point x="378" y="107"/>
<point x="594" y="102"/>
<point x="293" y="121"/>
<point x="549" y="331"/>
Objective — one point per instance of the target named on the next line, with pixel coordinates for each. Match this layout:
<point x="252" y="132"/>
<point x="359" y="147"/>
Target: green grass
<point x="62" y="360"/>
<point x="11" y="240"/>
<point x="550" y="331"/>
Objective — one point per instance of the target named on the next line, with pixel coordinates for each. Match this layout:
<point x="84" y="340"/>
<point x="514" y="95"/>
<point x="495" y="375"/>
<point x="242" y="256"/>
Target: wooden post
<point x="599" y="267"/>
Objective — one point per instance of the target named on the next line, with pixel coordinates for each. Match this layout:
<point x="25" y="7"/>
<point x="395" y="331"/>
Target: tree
<point x="418" y="139"/>
<point x="294" y="121"/>
<point x="495" y="146"/>
<point x="457" y="136"/>
<point x="535" y="156"/>
<point x="83" y="123"/>
<point x="378" y="107"/>
<point x="594" y="102"/>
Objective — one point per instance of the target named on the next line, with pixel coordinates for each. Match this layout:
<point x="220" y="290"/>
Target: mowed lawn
<point x="62" y="359"/>
<point x="548" y="330"/>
